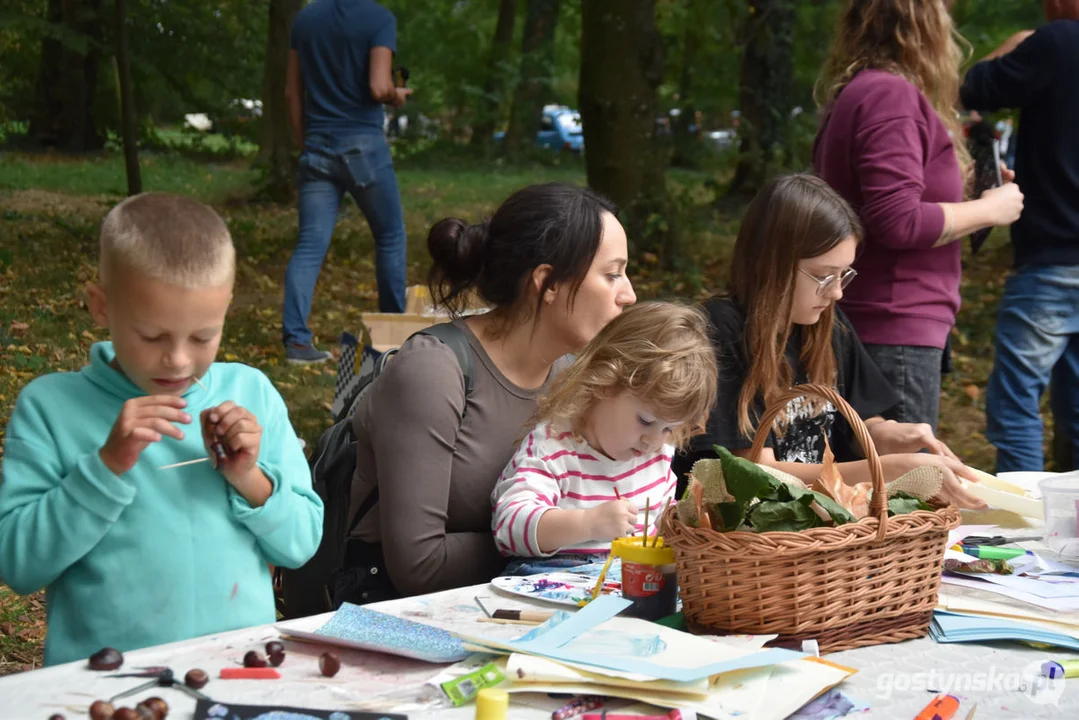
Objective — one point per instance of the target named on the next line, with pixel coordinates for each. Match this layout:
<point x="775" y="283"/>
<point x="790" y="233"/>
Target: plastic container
<point x="1060" y="500"/>
<point x="649" y="577"/>
<point x="492" y="704"/>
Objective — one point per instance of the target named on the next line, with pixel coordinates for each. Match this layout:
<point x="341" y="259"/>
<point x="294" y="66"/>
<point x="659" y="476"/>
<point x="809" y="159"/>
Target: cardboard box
<point x="389" y="330"/>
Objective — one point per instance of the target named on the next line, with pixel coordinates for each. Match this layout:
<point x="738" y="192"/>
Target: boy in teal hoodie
<point x="131" y="554"/>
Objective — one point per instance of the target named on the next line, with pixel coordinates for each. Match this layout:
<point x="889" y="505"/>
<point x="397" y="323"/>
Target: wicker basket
<point x="864" y="583"/>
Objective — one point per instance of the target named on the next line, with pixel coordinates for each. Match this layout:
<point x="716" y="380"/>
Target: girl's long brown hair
<point x="795" y="217"/>
<point x="915" y="39"/>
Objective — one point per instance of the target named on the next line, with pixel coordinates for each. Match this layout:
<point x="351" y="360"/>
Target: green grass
<point x="105" y="175"/>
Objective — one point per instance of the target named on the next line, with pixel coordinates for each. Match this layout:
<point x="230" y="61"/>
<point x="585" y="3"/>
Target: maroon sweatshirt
<point x="886" y="151"/>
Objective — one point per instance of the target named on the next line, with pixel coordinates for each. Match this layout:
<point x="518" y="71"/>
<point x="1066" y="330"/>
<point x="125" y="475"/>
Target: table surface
<point x="895" y="680"/>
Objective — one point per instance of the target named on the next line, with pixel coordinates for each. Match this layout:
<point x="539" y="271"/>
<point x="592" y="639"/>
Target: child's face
<point x="623" y="427"/>
<point x="164" y="335"/>
<point x="808" y="304"/>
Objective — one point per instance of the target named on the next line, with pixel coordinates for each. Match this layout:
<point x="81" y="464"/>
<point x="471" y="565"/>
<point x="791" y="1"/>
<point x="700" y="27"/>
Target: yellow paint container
<point x="649" y="578"/>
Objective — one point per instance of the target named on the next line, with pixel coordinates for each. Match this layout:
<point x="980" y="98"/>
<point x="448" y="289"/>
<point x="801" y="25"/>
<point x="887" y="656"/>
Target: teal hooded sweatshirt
<point x="151" y="556"/>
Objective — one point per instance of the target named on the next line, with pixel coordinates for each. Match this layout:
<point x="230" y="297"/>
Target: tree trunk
<point x="537" y="66"/>
<point x="683" y="135"/>
<point x="621" y="68"/>
<point x="277" y="150"/>
<point x="767" y="70"/>
<point x="127" y="102"/>
<point x="495" y="86"/>
<point x="67" y="79"/>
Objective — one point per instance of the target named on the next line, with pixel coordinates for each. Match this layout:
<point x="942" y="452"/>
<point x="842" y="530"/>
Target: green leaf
<point x="744" y="480"/>
<point x="731" y="514"/>
<point x="772" y="516"/>
<point x="902" y="503"/>
<point x="839" y="514"/>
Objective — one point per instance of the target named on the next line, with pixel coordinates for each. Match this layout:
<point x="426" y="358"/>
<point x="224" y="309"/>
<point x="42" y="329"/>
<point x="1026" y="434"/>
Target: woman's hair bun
<point x="458" y="250"/>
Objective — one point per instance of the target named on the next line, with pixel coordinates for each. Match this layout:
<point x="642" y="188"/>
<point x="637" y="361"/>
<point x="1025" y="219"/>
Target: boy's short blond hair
<point x="660" y="352"/>
<point x="167" y="237"/>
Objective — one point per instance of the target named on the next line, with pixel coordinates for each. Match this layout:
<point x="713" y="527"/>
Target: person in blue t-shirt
<point x="340" y="74"/>
<point x="138" y="491"/>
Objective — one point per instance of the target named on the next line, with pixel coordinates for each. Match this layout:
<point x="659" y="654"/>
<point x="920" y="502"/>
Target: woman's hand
<point x="1003" y="204"/>
<point x="951" y="470"/>
<point x="891" y="437"/>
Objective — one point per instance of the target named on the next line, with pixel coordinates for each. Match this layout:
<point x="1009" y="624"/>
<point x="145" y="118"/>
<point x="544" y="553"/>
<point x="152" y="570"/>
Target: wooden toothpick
<point x="186" y="462"/>
<point x="196" y="379"/>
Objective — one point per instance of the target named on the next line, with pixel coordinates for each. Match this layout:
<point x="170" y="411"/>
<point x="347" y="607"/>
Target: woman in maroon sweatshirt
<point x="889" y="93"/>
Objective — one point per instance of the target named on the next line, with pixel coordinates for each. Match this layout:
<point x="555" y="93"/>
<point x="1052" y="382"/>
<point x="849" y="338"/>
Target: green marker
<point x="991" y="552"/>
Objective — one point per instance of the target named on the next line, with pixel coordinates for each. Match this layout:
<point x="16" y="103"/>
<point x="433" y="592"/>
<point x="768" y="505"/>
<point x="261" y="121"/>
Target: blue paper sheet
<point x="555" y="641"/>
<point x="957" y="627"/>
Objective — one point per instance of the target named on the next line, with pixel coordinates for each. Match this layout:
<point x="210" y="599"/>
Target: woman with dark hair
<point x="778" y="326"/>
<point x="888" y="94"/>
<point x="551" y="263"/>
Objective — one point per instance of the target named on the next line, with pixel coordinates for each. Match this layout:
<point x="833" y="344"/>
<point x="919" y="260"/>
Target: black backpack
<point x="309" y="590"/>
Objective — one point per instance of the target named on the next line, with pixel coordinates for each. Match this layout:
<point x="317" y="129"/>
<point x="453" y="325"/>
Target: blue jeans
<point x="914" y="372"/>
<point x="330" y="165"/>
<point x="1037" y="326"/>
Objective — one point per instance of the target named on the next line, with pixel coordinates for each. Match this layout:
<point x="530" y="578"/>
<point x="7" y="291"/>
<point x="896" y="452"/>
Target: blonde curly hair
<point x="915" y="39"/>
<point x="659" y="352"/>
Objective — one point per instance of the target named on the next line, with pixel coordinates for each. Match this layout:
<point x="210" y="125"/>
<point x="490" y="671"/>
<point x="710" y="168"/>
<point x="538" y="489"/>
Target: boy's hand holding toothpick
<point x="142" y="420"/>
<point x="239" y="432"/>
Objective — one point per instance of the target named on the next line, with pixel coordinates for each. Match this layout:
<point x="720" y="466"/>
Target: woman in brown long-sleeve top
<point x="551" y="263"/>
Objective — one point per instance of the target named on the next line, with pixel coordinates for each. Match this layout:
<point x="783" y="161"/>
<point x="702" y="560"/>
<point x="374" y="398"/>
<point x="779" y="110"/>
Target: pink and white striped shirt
<point x="559" y="470"/>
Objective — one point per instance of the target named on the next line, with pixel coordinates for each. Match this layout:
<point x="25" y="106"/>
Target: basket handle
<point x="878" y="506"/>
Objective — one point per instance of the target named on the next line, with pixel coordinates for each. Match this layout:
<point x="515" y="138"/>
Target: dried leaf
<point x="853" y="498"/>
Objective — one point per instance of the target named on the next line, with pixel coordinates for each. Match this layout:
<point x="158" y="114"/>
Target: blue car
<point x="560" y="129"/>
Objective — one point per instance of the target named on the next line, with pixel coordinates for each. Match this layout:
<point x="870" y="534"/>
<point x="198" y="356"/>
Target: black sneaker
<point x="305" y="354"/>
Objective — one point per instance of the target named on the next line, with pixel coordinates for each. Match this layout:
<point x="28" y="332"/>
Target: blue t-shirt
<point x="333" y="39"/>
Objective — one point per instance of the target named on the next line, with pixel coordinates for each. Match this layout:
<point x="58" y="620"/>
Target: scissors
<point x="996" y="539"/>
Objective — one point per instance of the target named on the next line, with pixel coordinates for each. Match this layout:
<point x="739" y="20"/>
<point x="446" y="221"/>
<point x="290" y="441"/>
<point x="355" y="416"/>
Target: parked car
<point x="560" y="129"/>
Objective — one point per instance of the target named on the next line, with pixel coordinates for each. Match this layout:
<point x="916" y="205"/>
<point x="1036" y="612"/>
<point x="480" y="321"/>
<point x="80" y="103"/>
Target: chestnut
<point x="276" y="658"/>
<point x="196" y="679"/>
<point x="106" y="659"/>
<point x="56" y="716"/>
<point x="274" y="647"/>
<point x="328" y="664"/>
<point x="125" y="713"/>
<point x="101" y="710"/>
<point x="157" y="706"/>
<point x="144" y="712"/>
<point x="254" y="659"/>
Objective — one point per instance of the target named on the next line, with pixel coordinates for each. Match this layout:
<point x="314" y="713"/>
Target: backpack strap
<point x="451" y="335"/>
<point x="457" y="341"/>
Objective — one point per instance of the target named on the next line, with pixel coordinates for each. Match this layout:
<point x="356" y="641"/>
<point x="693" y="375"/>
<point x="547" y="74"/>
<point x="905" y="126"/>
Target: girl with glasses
<point x="778" y="325"/>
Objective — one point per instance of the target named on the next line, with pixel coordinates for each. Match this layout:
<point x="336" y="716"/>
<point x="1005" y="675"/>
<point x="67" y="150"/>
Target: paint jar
<point x="649" y="577"/>
<point x="1060" y="499"/>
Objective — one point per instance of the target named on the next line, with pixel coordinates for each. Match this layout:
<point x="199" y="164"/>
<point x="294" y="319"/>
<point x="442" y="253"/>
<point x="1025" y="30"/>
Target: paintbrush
<point x="644" y="532"/>
<point x="666" y="507"/>
<point x="527" y="615"/>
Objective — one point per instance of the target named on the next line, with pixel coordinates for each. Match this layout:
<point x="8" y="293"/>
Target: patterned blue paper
<point x="393" y="635"/>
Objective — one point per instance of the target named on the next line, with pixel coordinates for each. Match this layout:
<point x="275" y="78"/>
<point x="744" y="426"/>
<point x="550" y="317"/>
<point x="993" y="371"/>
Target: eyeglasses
<point x="824" y="284"/>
